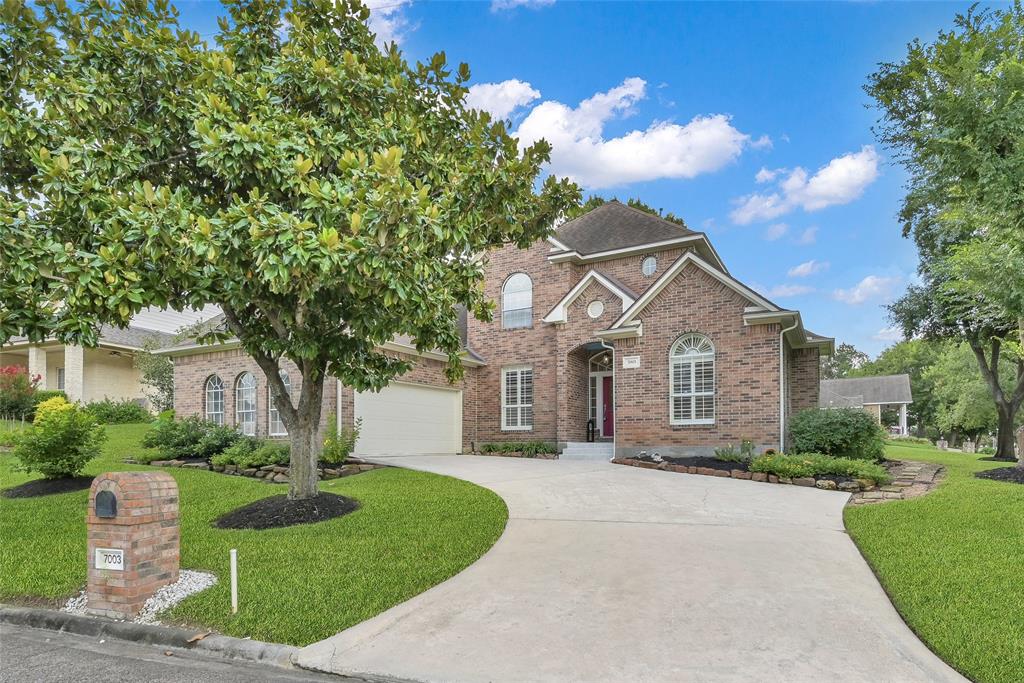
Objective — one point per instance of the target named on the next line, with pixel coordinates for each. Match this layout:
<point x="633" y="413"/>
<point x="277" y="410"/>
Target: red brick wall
<point x="746" y="372"/>
<point x="805" y="379"/>
<point x="627" y="269"/>
<point x="191" y="373"/>
<point x="534" y="346"/>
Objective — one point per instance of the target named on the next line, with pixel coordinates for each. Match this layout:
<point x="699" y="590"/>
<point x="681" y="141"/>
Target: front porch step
<point x="582" y="450"/>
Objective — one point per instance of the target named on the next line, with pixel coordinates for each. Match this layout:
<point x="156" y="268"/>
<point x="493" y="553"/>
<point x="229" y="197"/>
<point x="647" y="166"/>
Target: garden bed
<point x="277" y="474"/>
<point x="740" y="470"/>
<point x="47" y="487"/>
<point x="521" y="454"/>
<point x="278" y="511"/>
<point x="1011" y="475"/>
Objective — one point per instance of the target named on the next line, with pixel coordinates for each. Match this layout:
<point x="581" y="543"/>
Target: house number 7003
<point x="109" y="558"/>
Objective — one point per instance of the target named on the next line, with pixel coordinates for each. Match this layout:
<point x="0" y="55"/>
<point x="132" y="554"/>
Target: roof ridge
<point x="673" y="224"/>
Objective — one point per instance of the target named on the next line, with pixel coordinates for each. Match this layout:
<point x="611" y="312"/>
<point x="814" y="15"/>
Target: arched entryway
<point x="601" y="394"/>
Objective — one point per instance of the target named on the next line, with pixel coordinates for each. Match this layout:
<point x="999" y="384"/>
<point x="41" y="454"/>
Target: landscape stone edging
<point x="810" y="482"/>
<point x="273" y="654"/>
<point x="277" y="474"/>
<point x="520" y="454"/>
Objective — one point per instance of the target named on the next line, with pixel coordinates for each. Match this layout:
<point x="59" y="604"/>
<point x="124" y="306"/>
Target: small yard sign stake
<point x="234" y="581"/>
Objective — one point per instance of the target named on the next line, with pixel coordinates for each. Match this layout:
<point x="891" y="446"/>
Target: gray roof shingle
<point x="856" y="391"/>
<point x="616" y="226"/>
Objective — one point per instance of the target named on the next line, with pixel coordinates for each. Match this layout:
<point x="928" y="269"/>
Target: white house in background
<point x="108" y="370"/>
<point x="872" y="394"/>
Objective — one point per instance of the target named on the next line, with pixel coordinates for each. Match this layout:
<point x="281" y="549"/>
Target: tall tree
<point x="951" y="112"/>
<point x="844" y="361"/>
<point x="327" y="195"/>
<point x="961" y="397"/>
<point x="594" y="201"/>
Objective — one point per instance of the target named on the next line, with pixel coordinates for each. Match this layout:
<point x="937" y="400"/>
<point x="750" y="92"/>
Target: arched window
<point x="275" y="425"/>
<point x="517" y="302"/>
<point x="245" y="404"/>
<point x="215" y="399"/>
<point x="691" y="362"/>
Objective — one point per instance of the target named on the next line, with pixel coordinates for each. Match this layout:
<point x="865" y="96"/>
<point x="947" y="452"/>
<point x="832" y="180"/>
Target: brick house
<point x="622" y="329"/>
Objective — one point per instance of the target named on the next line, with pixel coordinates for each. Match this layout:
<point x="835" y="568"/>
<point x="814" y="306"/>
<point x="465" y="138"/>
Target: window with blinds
<point x="517" y="302"/>
<point x="692" y="381"/>
<point x="517" y="398"/>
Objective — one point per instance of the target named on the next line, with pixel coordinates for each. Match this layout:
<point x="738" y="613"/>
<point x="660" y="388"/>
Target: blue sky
<point x="747" y="120"/>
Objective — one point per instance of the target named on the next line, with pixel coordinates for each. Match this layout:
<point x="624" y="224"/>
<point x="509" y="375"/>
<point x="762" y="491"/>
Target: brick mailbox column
<point x="133" y="540"/>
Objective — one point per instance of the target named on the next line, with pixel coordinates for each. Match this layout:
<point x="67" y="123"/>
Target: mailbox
<point x="133" y="540"/>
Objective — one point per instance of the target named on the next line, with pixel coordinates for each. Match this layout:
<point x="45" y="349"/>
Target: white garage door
<point x="409" y="419"/>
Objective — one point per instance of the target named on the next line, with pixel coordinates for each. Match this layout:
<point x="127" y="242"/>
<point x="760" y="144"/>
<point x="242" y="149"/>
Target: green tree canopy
<point x="951" y="112"/>
<point x="843" y="361"/>
<point x="327" y="195"/>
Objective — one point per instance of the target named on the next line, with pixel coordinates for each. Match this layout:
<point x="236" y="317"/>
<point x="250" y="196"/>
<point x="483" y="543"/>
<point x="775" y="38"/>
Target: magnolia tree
<point x="326" y="194"/>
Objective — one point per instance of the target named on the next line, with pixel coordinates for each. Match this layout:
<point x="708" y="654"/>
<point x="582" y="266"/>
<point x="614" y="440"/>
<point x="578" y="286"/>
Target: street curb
<point x="273" y="654"/>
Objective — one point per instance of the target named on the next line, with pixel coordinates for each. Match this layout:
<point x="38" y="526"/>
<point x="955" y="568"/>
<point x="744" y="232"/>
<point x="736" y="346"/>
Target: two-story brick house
<point x="622" y="328"/>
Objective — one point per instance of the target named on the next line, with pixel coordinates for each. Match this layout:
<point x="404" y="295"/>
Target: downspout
<point x="782" y="384"/>
<point x="615" y="410"/>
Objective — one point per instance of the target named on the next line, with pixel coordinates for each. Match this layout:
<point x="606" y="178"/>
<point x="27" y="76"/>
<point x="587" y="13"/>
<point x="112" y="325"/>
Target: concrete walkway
<point x="612" y="573"/>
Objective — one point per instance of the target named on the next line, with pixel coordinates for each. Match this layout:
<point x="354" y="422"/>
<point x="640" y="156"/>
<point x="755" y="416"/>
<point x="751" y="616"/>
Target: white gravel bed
<point x="189" y="583"/>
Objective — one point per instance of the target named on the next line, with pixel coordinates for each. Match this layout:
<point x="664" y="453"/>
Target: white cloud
<point x="763" y="142"/>
<point x="501" y="99"/>
<point x="783" y="291"/>
<point x="499" y="5"/>
<point x="663" y="150"/>
<point x="892" y="334"/>
<point x="808" y="268"/>
<point x="775" y="231"/>
<point x="767" y="175"/>
<point x="871" y="287"/>
<point x="840" y="181"/>
<point x="388" y="20"/>
<point x="808" y="236"/>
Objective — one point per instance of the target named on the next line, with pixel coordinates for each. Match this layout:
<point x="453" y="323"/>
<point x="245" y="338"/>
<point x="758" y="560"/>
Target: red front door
<point x="608" y="409"/>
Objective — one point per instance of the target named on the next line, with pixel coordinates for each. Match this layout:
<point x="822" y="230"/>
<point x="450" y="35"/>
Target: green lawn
<point x="953" y="563"/>
<point x="296" y="585"/>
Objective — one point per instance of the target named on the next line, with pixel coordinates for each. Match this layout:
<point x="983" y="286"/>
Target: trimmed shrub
<point x="910" y="440"/>
<point x="189" y="438"/>
<point x="841" y="433"/>
<point x="530" y="449"/>
<point x="813" y="464"/>
<point x="112" y="412"/>
<point x="61" y="441"/>
<point x="338" y="446"/>
<point x="248" y="451"/>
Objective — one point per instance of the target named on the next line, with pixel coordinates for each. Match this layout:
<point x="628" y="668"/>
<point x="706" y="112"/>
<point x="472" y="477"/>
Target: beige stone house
<point x="621" y="333"/>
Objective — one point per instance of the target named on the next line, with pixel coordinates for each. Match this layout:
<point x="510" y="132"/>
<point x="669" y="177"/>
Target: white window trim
<point x="529" y="308"/>
<point x="206" y="401"/>
<point x="271" y="408"/>
<point x="504" y="375"/>
<point x="714" y="384"/>
<point x="255" y="409"/>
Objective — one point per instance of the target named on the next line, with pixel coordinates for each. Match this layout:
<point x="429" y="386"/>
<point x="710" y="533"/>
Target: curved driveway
<point x="612" y="573"/>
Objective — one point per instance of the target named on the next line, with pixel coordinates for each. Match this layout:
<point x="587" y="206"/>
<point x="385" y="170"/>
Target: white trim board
<point x="560" y="312"/>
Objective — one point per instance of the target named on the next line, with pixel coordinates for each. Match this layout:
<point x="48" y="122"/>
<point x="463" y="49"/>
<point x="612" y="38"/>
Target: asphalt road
<point x="31" y="655"/>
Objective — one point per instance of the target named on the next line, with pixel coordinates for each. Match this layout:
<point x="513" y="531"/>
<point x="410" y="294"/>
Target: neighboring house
<point x="872" y="394"/>
<point x="88" y="374"/>
<point x="108" y="370"/>
<point x="622" y="327"/>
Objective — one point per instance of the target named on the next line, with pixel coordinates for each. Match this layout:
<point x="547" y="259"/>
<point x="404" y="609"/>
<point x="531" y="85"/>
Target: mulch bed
<point x="702" y="461"/>
<point x="277" y="511"/>
<point x="1012" y="475"/>
<point x="47" y="487"/>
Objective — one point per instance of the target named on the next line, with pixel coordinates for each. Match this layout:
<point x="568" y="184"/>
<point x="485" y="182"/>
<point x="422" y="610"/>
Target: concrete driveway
<point x="612" y="573"/>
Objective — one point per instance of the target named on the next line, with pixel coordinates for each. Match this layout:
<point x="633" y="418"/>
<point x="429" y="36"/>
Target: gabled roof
<point x="616" y="226"/>
<point x="761" y="311"/>
<point x="858" y="391"/>
<point x="559" y="313"/>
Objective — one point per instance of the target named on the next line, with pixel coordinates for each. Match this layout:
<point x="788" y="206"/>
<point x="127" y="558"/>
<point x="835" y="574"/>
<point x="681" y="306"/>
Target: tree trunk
<point x="302" y="471"/>
<point x="304" y="481"/>
<point x="1006" y="436"/>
